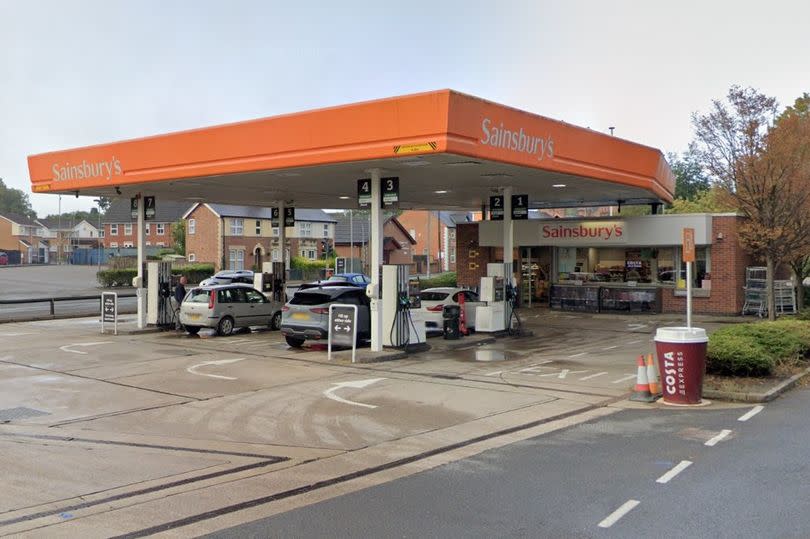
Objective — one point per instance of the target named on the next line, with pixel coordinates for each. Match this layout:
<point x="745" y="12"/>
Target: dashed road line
<point x="614" y="517"/>
<point x="610" y="347"/>
<point x="578" y="355"/>
<point x="494" y="373"/>
<point x="593" y="375"/>
<point x="718" y="438"/>
<point x="634" y="342"/>
<point x="624" y="379"/>
<point x="535" y="366"/>
<point x="667" y="477"/>
<point x="751" y="413"/>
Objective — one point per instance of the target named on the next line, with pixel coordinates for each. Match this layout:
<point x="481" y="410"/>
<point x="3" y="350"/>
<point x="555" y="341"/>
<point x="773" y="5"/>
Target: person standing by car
<point x="179" y="294"/>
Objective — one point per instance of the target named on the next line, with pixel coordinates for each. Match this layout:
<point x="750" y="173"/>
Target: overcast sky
<point x="74" y="73"/>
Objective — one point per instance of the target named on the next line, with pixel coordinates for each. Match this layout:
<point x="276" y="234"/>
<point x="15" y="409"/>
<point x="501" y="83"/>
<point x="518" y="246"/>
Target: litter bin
<point x="682" y="363"/>
<point x="451" y="315"/>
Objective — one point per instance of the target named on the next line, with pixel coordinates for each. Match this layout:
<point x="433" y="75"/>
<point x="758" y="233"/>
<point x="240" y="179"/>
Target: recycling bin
<point x="451" y="316"/>
<point x="681" y="356"/>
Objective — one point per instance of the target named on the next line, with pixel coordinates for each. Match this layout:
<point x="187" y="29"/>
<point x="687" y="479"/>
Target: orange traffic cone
<point x="652" y="377"/>
<point x="641" y="392"/>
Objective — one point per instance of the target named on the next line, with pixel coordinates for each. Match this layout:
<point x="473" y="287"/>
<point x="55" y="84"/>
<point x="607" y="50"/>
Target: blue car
<point x="355" y="279"/>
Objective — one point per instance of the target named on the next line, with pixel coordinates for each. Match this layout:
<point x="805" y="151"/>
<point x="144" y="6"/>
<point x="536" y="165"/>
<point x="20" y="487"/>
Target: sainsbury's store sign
<point x="501" y="136"/>
<point x="86" y="170"/>
<point x="585" y="233"/>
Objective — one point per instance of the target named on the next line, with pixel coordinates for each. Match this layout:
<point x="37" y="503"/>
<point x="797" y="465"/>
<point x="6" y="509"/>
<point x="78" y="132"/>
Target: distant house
<point x="66" y="235"/>
<point x="24" y="240"/>
<point x="441" y="226"/>
<point x="242" y="237"/>
<point x="120" y="229"/>
<point x="352" y="239"/>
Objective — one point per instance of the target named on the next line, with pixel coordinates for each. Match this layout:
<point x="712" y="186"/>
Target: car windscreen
<point x="433" y="296"/>
<point x="310" y="298"/>
<point x="337" y="278"/>
<point x="198" y="295"/>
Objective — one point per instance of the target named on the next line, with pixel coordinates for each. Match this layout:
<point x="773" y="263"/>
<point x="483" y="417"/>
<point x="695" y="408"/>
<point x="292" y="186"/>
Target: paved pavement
<point x="106" y="435"/>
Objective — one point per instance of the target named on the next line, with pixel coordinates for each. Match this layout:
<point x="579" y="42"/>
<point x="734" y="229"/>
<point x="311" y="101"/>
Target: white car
<point x="229" y="277"/>
<point x="433" y="300"/>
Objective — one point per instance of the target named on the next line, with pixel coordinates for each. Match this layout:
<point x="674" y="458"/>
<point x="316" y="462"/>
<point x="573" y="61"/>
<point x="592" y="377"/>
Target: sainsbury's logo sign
<point x="518" y="141"/>
<point x="83" y="170"/>
<point x="596" y="232"/>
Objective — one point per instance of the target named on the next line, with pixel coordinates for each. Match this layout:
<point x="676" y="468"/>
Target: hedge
<point x="123" y="277"/>
<point x="754" y="349"/>
<point x="443" y="279"/>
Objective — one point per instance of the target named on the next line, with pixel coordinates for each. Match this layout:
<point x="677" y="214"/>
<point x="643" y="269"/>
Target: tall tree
<point x="690" y="179"/>
<point x="15" y="201"/>
<point x="759" y="166"/>
<point x="179" y="237"/>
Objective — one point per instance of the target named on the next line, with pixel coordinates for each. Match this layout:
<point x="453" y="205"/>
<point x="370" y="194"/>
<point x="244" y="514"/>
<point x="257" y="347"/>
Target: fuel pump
<point x="272" y="281"/>
<point x="159" y="310"/>
<point x="402" y="327"/>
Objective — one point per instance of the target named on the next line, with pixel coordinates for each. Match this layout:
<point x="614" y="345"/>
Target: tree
<point x="104" y="203"/>
<point x="712" y="200"/>
<point x="690" y="179"/>
<point x="15" y="201"/>
<point x="760" y="167"/>
<point x="179" y="236"/>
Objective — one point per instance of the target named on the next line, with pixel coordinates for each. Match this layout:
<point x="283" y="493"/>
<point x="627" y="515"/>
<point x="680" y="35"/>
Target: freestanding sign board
<point x="496" y="208"/>
<point x="343" y="327"/>
<point x="109" y="310"/>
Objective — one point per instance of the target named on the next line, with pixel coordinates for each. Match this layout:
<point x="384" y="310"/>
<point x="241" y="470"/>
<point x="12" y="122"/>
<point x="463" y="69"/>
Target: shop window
<point x="701" y="269"/>
<point x="192" y="226"/>
<point x="237" y="227"/>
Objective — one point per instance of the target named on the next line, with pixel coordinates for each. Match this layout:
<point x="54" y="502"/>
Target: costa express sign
<point x="583" y="233"/>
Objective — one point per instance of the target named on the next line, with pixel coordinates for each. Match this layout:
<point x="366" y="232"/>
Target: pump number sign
<point x="496" y="208"/>
<point x="289" y="216"/>
<point x="148" y="208"/>
<point x="364" y="192"/>
<point x="390" y="191"/>
<point x="520" y="206"/>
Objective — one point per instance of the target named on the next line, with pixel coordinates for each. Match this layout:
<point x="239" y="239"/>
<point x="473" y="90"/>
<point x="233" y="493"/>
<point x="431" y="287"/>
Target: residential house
<point x="121" y="231"/>
<point x="67" y="236"/>
<point x="435" y="235"/>
<point x="242" y="237"/>
<point x="352" y="238"/>
<point x="24" y="240"/>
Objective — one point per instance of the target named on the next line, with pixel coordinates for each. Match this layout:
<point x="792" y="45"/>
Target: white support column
<point x="282" y="237"/>
<point x="508" y="232"/>
<point x="141" y="290"/>
<point x="376" y="259"/>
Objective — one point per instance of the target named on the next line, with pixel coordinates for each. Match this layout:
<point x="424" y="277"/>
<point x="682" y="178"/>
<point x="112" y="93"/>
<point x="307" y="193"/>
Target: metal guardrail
<point x="52" y="301"/>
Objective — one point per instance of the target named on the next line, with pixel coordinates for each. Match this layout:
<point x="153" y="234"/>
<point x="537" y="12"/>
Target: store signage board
<point x="520" y="207"/>
<point x="109" y="310"/>
<point x="364" y="193"/>
<point x="289" y="216"/>
<point x="342" y="328"/>
<point x="148" y="208"/>
<point x="496" y="208"/>
<point x="390" y="191"/>
<point x="688" y="244"/>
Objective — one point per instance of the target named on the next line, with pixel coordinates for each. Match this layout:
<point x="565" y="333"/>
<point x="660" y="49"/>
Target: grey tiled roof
<point x="19" y="219"/>
<point x="358" y="233"/>
<point x="166" y="211"/>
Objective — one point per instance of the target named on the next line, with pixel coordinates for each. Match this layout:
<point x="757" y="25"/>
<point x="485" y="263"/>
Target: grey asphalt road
<point x="753" y="482"/>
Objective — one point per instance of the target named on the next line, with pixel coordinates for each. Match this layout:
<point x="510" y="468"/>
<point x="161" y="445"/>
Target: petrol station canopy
<point x="451" y="151"/>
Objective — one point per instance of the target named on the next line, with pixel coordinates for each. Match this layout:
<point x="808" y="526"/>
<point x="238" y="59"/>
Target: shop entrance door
<point x="534" y="273"/>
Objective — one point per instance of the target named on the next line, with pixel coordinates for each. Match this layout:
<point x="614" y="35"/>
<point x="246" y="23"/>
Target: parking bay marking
<point x="681" y="466"/>
<point x="357" y="384"/>
<point x="193" y="368"/>
<point x="719" y="437"/>
<point x="614" y="517"/>
<point x="751" y="413"/>
<point x="68" y="347"/>
<point x="624" y="379"/>
<point x="593" y="375"/>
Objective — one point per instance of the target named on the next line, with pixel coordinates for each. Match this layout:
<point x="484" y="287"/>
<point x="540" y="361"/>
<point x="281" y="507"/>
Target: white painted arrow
<point x="193" y="368"/>
<point x="68" y="347"/>
<point x="357" y="384"/>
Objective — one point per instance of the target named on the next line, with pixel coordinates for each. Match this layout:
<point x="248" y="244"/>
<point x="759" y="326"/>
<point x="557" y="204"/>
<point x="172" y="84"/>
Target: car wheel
<point x="225" y="326"/>
<point x="294" y="342"/>
<point x="191" y="330"/>
<point x="275" y="321"/>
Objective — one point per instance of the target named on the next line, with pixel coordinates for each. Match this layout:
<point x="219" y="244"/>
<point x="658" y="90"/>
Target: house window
<point x="161" y="244"/>
<point x="147" y="228"/>
<point x="192" y="226"/>
<point x="275" y="231"/>
<point x="114" y="230"/>
<point x="66" y="248"/>
<point x="276" y="255"/>
<point x="452" y="257"/>
<point x="258" y="227"/>
<point x="148" y="243"/>
<point x="128" y="229"/>
<point x="113" y="245"/>
<point x="311" y="254"/>
<point x="237" y="259"/>
<point x="161" y="229"/>
<point x="325" y="231"/>
<point x="192" y="257"/>
<point x="128" y="245"/>
<point x="237" y="227"/>
<point x="305" y="229"/>
<point x="101" y="233"/>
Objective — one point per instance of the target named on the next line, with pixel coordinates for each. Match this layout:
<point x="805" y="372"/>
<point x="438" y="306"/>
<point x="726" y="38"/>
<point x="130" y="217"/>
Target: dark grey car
<point x="306" y="315"/>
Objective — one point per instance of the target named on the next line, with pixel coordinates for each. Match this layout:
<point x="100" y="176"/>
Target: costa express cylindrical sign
<point x="682" y="363"/>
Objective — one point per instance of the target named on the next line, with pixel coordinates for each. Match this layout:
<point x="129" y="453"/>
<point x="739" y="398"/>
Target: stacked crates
<point x="756" y="294"/>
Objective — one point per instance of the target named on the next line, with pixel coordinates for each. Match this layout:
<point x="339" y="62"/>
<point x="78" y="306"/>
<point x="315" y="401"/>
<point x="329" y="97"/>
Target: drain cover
<point x="20" y="412"/>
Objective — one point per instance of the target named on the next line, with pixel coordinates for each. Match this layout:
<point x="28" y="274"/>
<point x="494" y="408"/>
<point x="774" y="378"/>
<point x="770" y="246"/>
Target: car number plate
<point x="194" y="316"/>
<point x="300" y="316"/>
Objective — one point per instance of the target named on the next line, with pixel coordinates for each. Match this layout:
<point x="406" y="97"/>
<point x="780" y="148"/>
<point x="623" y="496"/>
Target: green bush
<point x="443" y="279"/>
<point x="113" y="278"/>
<point x="299" y="262"/>
<point x="754" y="349"/>
<point x="194" y="272"/>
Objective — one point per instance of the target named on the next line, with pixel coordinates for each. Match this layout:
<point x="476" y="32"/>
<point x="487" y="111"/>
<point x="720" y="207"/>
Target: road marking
<point x="634" y="342"/>
<point x="67" y="347"/>
<point x="535" y="366"/>
<point x="593" y="375"/>
<point x="357" y="384"/>
<point x="636" y="327"/>
<point x="494" y="373"/>
<point x="719" y="437"/>
<point x="684" y="464"/>
<point x="16" y="334"/>
<point x="751" y="413"/>
<point x="610" y="347"/>
<point x="614" y="517"/>
<point x="624" y="379"/>
<point x="578" y="355"/>
<point x="563" y="373"/>
<point x="193" y="368"/>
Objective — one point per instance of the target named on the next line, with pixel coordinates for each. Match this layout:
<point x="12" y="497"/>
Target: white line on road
<point x="193" y="368"/>
<point x="610" y="347"/>
<point x="751" y="413"/>
<point x="495" y="373"/>
<point x="719" y="437"/>
<point x="684" y="464"/>
<point x="614" y="517"/>
<point x="357" y="384"/>
<point x="634" y="342"/>
<point x="593" y="375"/>
<point x="624" y="379"/>
<point x="578" y="355"/>
<point x="535" y="366"/>
<point x="68" y="347"/>
<point x="16" y="334"/>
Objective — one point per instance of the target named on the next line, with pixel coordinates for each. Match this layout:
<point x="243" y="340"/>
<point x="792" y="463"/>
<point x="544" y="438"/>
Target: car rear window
<point x="310" y="298"/>
<point x="198" y="295"/>
<point x="338" y="278"/>
<point x="433" y="296"/>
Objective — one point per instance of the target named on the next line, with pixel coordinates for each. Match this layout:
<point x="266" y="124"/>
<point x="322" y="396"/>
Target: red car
<point x="3" y="259"/>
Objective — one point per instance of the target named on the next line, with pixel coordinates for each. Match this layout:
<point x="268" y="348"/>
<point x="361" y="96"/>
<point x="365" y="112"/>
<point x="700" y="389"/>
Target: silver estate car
<point x="306" y="315"/>
<point x="226" y="307"/>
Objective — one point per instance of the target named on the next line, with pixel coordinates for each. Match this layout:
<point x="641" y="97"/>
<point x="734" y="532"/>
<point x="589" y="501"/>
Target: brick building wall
<point x="120" y="238"/>
<point x="471" y="259"/>
<point x="204" y="244"/>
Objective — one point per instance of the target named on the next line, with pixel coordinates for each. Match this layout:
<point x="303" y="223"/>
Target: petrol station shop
<point x="614" y="264"/>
